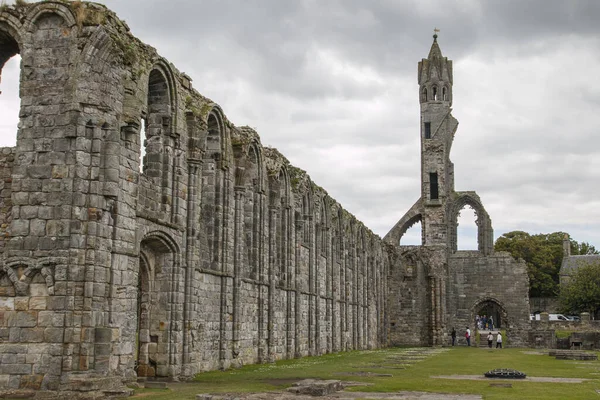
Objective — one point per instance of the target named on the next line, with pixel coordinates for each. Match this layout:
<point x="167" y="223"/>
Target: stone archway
<point x="490" y="307"/>
<point x="157" y="263"/>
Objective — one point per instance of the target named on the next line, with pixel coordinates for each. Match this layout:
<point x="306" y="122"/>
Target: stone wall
<point x="208" y="252"/>
<point x="7" y="159"/>
<point x="475" y="280"/>
<point x="562" y="334"/>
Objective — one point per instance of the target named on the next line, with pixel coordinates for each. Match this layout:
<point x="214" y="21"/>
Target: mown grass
<point x="416" y="377"/>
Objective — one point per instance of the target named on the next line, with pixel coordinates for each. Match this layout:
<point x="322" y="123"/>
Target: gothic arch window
<point x="340" y="235"/>
<point x="284" y="225"/>
<point x="306" y="215"/>
<point x="483" y="227"/>
<point x="424" y="95"/>
<point x="156" y="126"/>
<point x="435" y="93"/>
<point x="444" y="94"/>
<point x="214" y="189"/>
<point x="411" y="234"/>
<point x="10" y="67"/>
<point x="466" y="229"/>
<point x="323" y="229"/>
<point x="217" y="191"/>
<point x="252" y="212"/>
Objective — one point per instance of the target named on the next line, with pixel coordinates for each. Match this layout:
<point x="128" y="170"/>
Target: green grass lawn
<point x="415" y="377"/>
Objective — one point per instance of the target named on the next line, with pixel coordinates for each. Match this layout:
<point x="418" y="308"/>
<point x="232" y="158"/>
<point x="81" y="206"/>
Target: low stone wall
<point x="563" y="334"/>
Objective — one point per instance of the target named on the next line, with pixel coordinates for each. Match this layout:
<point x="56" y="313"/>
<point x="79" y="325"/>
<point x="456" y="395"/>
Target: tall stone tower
<point x="437" y="134"/>
<point x="438" y="287"/>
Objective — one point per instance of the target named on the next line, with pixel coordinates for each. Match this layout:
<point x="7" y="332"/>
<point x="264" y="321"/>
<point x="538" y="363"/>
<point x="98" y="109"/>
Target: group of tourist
<point x="490" y="338"/>
<point x="484" y="322"/>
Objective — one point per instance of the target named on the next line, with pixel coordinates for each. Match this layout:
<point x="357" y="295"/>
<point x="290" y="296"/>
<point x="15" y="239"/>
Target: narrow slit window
<point x="143" y="124"/>
<point x="434" y="93"/>
<point x="427" y="130"/>
<point x="433" y="186"/>
<point x="444" y="94"/>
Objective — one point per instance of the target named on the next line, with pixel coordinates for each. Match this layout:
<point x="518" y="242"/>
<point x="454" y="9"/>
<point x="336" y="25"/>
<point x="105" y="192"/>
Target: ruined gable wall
<point x="211" y="251"/>
<point x="473" y="278"/>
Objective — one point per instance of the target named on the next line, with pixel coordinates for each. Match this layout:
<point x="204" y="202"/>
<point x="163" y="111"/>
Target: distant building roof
<point x="570" y="264"/>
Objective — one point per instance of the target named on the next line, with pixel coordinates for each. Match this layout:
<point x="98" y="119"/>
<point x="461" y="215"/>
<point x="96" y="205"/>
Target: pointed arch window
<point x="10" y="66"/>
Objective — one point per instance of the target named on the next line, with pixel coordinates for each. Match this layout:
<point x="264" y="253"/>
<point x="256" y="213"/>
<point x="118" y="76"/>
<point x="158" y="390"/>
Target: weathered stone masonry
<point x="219" y="253"/>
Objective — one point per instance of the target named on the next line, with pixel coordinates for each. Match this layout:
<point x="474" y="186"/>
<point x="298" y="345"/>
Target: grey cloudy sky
<point x="332" y="85"/>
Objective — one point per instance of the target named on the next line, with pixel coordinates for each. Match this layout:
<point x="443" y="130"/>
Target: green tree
<point x="582" y="292"/>
<point x="583" y="248"/>
<point x="543" y="254"/>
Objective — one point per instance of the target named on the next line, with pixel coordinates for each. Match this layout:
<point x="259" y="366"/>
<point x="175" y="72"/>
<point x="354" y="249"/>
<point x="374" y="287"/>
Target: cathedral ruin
<point x="437" y="287"/>
<point x="198" y="248"/>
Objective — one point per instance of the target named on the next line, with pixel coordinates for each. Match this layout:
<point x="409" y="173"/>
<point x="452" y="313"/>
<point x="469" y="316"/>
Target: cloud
<point x="332" y="84"/>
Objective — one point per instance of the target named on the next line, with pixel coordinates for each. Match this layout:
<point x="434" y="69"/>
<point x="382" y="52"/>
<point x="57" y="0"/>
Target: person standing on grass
<point x="498" y="340"/>
<point x="453" y="335"/>
<point x="468" y="336"/>
<point x="490" y="339"/>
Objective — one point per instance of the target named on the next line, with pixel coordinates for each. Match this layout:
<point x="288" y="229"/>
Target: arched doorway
<point x="490" y="308"/>
<point x="154" y="331"/>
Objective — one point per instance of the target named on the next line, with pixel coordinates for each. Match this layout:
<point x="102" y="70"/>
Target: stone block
<point x="19" y="227"/>
<point x="37" y="303"/>
<point x="7" y="303"/>
<point x="33" y="382"/>
<point x="15" y="369"/>
<point x="53" y="335"/>
<point x="22" y="319"/>
<point x="155" y="385"/>
<point x="32" y="335"/>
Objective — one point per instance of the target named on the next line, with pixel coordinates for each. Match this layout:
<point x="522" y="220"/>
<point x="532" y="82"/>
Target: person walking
<point x="453" y="335"/>
<point x="490" y="339"/>
<point x="499" y="340"/>
<point x="468" y="336"/>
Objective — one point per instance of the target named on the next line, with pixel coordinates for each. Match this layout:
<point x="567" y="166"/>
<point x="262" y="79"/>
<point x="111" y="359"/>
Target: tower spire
<point x="435" y="52"/>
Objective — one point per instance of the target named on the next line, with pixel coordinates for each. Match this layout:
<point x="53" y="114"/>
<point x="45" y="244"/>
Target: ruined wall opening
<point x="156" y="125"/>
<point x="143" y="143"/>
<point x="467" y="230"/>
<point x="491" y="315"/>
<point x="413" y="236"/>
<point x="283" y="229"/>
<point x="213" y="192"/>
<point x="156" y="266"/>
<point x="10" y="71"/>
<point x="252" y="212"/>
<point x="306" y="217"/>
